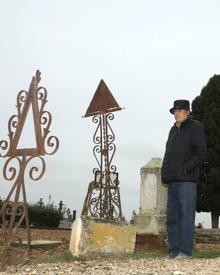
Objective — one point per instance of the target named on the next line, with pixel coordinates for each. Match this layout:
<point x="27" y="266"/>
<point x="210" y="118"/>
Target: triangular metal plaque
<point x="103" y="101"/>
<point x="30" y="100"/>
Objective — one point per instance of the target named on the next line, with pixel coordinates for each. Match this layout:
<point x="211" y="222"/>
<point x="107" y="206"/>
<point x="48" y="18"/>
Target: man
<point x="185" y="153"/>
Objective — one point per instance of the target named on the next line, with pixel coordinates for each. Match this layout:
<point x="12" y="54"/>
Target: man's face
<point x="181" y="115"/>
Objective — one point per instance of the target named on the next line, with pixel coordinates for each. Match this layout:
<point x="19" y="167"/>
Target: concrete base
<point x="150" y="224"/>
<point x="91" y="236"/>
<point x="148" y="242"/>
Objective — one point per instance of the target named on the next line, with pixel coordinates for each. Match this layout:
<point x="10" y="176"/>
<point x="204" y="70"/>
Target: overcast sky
<point x="149" y="53"/>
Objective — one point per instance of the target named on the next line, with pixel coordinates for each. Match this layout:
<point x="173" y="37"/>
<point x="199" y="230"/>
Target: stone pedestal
<point x="153" y="199"/>
<point x="95" y="236"/>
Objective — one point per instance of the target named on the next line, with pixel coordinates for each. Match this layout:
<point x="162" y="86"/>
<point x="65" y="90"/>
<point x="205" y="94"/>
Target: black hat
<point x="180" y="104"/>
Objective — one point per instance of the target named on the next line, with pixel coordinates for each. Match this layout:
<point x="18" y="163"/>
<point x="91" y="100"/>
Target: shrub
<point x="46" y="216"/>
<point x="40" y="216"/>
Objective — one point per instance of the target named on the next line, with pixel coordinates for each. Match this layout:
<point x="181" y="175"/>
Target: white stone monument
<point x="153" y="199"/>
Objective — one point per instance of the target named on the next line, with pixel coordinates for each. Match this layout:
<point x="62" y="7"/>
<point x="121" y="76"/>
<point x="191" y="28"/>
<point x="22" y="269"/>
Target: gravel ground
<point x="159" y="266"/>
<point x="153" y="266"/>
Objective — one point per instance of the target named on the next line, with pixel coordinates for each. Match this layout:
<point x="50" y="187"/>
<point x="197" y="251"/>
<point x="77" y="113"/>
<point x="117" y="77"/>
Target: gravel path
<point x="159" y="266"/>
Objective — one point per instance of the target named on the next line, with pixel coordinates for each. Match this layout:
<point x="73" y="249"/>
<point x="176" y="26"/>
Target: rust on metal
<point x="31" y="100"/>
<point x="103" y="196"/>
<point x="103" y="101"/>
<point x="14" y="210"/>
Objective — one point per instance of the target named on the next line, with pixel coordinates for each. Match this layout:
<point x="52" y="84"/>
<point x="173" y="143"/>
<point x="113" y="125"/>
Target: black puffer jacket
<point x="185" y="152"/>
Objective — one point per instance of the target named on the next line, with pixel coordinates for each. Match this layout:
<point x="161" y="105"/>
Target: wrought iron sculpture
<point x="14" y="211"/>
<point x="103" y="196"/>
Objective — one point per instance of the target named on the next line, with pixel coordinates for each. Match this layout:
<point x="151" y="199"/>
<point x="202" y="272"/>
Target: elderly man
<point x="185" y="153"/>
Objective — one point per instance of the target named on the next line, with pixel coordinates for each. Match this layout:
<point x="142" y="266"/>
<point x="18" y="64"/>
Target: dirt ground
<point x="46" y="234"/>
<point x="17" y="254"/>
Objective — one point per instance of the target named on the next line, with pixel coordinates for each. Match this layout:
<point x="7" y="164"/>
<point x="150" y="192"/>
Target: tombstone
<point x="60" y="206"/>
<point x="68" y="213"/>
<point x="101" y="227"/>
<point x="74" y="215"/>
<point x="66" y="221"/>
<point x="103" y="196"/>
<point x="91" y="237"/>
<point x="64" y="224"/>
<point x="151" y="219"/>
<point x="40" y="203"/>
<point x="133" y="217"/>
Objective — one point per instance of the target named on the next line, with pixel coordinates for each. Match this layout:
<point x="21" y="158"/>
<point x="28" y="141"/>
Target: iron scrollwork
<point x="21" y="162"/>
<point x="103" y="197"/>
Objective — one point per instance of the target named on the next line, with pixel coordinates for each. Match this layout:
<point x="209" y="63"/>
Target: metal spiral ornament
<point x="36" y="173"/>
<point x="24" y="162"/>
<point x="103" y="196"/>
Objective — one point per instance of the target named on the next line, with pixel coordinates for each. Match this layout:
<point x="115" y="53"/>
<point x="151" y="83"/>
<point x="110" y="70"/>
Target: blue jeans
<point x="181" y="207"/>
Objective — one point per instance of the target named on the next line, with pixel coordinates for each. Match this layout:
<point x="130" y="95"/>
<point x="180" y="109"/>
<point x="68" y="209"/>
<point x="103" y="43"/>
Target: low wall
<point x="207" y="236"/>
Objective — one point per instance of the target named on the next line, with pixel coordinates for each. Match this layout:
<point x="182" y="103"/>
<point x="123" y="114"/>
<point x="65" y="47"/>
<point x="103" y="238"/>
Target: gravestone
<point x="91" y="236"/>
<point x="151" y="219"/>
<point x="64" y="223"/>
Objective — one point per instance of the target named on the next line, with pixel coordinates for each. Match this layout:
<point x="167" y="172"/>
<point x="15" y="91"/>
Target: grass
<point x="206" y="254"/>
<point x="66" y="256"/>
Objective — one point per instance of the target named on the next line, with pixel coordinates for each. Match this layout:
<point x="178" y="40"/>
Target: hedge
<point x="41" y="216"/>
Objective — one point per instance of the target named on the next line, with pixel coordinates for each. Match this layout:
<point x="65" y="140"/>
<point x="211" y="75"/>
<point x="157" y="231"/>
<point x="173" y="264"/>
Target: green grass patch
<point x="206" y="254"/>
<point x="66" y="256"/>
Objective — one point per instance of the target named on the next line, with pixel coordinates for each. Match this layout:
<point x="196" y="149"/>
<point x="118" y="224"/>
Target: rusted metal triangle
<point x="103" y="101"/>
<point x="30" y="100"/>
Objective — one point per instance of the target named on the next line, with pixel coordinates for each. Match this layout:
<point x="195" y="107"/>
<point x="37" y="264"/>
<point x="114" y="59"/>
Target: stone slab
<point x="91" y="236"/>
<point x="36" y="243"/>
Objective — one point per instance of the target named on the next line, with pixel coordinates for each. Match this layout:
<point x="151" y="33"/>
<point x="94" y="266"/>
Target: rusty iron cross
<point x="103" y="196"/>
<point x="14" y="212"/>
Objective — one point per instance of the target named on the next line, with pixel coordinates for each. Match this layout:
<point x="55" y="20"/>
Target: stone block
<point x="153" y="195"/>
<point x="91" y="236"/>
<point x="151" y="220"/>
<point x="150" y="224"/>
